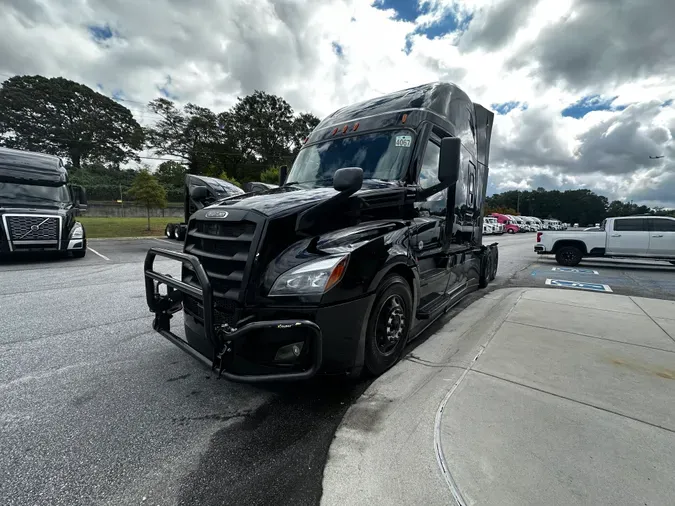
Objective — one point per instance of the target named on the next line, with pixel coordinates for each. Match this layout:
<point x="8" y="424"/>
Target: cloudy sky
<point x="583" y="89"/>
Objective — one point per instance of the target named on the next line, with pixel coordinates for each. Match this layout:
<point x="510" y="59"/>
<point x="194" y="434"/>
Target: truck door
<point x="661" y="237"/>
<point x="629" y="236"/>
<point x="430" y="245"/>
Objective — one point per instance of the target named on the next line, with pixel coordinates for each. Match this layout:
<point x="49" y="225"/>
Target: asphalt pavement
<point x="98" y="409"/>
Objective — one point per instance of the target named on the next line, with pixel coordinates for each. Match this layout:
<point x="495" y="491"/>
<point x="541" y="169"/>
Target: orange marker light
<point x="336" y="275"/>
<point x="345" y="128"/>
<point x="356" y="127"/>
<point x="405" y="117"/>
<point x="335" y="131"/>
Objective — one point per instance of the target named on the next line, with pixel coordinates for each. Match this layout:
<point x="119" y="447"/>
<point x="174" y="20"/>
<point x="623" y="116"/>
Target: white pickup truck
<point x="650" y="237"/>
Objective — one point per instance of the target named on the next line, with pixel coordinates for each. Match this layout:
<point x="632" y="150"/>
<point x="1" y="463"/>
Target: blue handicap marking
<point x="562" y="283"/>
<point x="574" y="269"/>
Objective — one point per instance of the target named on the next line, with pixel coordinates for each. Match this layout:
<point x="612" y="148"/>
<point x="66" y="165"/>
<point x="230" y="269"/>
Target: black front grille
<point x="33" y="228"/>
<point x="223" y="248"/>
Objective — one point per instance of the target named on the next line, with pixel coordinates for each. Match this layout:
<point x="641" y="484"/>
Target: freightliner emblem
<point x="216" y="214"/>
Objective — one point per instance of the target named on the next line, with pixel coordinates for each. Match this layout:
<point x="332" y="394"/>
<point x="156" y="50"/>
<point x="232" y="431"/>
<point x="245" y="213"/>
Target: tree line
<point x="571" y="206"/>
<point x="98" y="135"/>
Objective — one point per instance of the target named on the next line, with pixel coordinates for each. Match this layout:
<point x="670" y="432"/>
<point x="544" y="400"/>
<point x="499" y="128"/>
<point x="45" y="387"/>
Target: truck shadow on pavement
<point x="275" y="454"/>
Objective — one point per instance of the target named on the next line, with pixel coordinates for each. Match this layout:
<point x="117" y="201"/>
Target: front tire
<point x="168" y="231"/>
<point x="388" y="325"/>
<point x="511" y="231"/>
<point x="569" y="256"/>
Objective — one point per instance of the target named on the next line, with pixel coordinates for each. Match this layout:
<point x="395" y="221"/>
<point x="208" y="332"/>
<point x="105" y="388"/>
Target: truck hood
<point x="32" y="209"/>
<point x="289" y="199"/>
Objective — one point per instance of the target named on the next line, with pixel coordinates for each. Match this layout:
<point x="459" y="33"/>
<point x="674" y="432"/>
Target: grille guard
<point x="164" y="306"/>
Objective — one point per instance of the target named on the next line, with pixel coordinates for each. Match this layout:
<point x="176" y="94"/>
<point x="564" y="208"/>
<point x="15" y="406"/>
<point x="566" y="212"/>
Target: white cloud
<point x="544" y="55"/>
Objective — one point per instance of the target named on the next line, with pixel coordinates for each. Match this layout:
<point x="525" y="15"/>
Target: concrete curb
<point x="384" y="451"/>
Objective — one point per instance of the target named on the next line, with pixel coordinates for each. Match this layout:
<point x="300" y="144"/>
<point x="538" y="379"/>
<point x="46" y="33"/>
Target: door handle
<point x="616" y="235"/>
<point x="658" y="235"/>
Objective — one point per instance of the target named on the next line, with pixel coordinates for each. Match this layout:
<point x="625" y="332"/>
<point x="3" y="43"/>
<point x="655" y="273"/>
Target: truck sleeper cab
<point x="374" y="233"/>
<point x="38" y="206"/>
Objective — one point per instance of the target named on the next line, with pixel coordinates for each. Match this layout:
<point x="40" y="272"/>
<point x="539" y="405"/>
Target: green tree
<point x="193" y="134"/>
<point x="147" y="190"/>
<point x="67" y="119"/>
<point x="263" y="129"/>
<point x="270" y="175"/>
<point x="171" y="174"/>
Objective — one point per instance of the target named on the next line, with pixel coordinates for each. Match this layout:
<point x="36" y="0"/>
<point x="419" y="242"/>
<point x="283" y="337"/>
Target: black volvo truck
<point x="200" y="191"/>
<point x="38" y="207"/>
<point x="374" y="233"/>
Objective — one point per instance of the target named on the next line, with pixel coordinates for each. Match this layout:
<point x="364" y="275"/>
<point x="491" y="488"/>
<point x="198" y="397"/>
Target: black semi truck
<point x="374" y="233"/>
<point x="200" y="191"/>
<point x="38" y="207"/>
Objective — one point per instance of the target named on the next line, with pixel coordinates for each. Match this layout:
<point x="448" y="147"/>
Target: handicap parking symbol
<point x="562" y="283"/>
<point x="575" y="270"/>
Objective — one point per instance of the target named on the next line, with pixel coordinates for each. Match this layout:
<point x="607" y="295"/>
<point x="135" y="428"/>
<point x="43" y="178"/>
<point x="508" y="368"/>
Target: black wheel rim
<point x="568" y="256"/>
<point x="391" y="324"/>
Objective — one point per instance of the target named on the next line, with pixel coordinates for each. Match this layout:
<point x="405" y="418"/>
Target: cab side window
<point x="436" y="203"/>
<point x="630" y="225"/>
<point x="429" y="171"/>
<point x="662" y="225"/>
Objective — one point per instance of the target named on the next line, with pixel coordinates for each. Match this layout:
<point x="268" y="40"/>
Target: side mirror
<point x="199" y="192"/>
<point x="449" y="160"/>
<point x="348" y="179"/>
<point x="283" y="174"/>
<point x="80" y="197"/>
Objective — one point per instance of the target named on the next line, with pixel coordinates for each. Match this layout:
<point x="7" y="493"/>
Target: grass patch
<point x="124" y="227"/>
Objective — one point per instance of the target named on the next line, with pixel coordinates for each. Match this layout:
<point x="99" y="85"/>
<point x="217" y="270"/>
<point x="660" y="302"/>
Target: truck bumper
<point x="539" y="249"/>
<point x="273" y="344"/>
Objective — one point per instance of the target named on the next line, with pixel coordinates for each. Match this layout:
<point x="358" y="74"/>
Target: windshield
<point x="30" y="193"/>
<point x="382" y="155"/>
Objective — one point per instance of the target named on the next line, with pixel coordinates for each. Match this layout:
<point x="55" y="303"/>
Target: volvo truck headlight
<point x="77" y="232"/>
<point x="314" y="277"/>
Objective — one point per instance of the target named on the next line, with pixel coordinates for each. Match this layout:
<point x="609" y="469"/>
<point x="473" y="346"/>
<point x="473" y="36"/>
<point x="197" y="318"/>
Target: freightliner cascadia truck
<point x="373" y="233"/>
<point x="200" y="191"/>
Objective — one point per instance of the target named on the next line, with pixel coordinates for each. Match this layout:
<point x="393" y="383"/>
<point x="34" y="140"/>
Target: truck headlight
<point x="77" y="232"/>
<point x="314" y="277"/>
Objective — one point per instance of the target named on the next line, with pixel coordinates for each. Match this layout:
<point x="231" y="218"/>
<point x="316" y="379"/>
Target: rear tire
<point x="179" y="232"/>
<point x="388" y="325"/>
<point x="485" y="270"/>
<point x="569" y="256"/>
<point x="495" y="265"/>
<point x="168" y="231"/>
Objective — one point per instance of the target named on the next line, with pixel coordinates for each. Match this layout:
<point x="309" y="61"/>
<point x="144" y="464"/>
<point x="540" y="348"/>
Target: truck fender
<point x="399" y="264"/>
<point x="569" y="242"/>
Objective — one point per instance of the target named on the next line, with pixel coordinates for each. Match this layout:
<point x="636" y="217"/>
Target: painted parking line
<point x="97" y="253"/>
<point x="563" y="283"/>
<point x="575" y="270"/>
